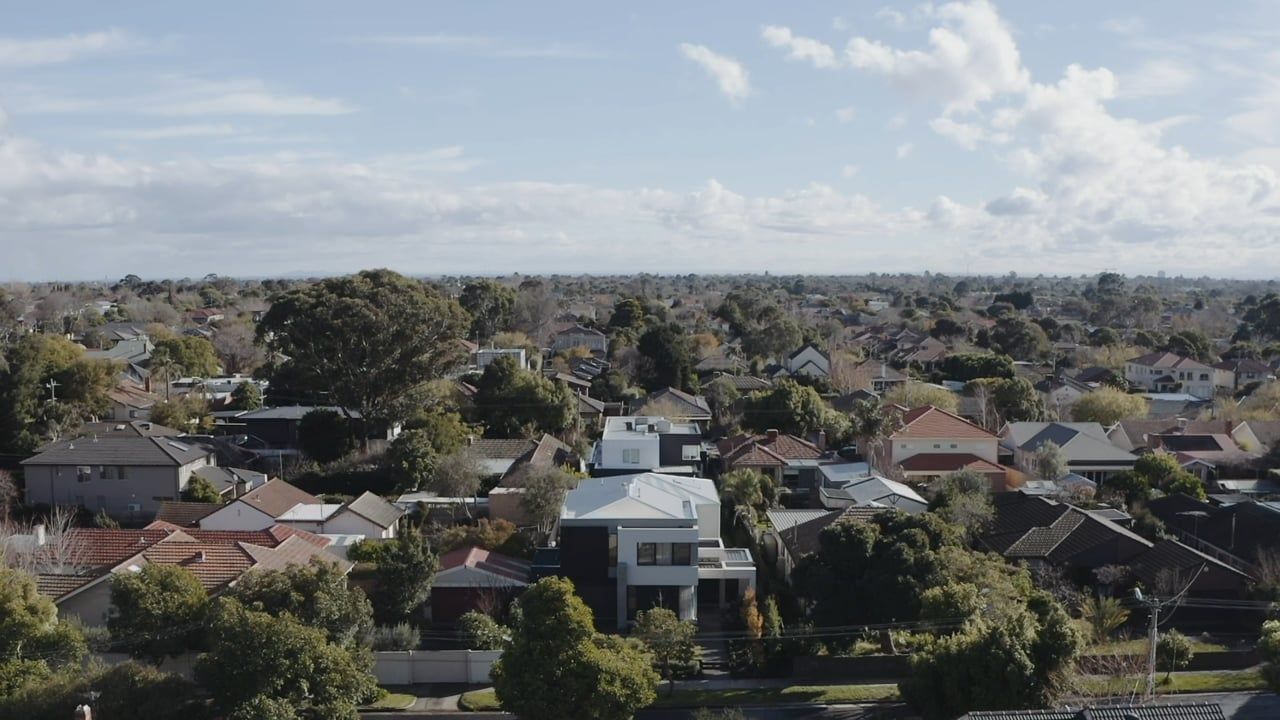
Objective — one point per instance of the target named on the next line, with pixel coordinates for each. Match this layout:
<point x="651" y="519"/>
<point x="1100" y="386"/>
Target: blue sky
<point x="255" y="139"/>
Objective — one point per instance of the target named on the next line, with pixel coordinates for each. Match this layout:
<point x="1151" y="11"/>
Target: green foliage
<point x="246" y="396"/>
<point x="412" y="457"/>
<point x="1012" y="399"/>
<point x="27" y="417"/>
<point x="194" y="355"/>
<point x="125" y="690"/>
<point x="255" y="654"/>
<point x="480" y="631"/>
<point x="1019" y="338"/>
<point x="749" y="490"/>
<point x="316" y="594"/>
<point x="513" y="402"/>
<point x="1191" y="343"/>
<point x="1129" y="485"/>
<point x="964" y="367"/>
<point x="367" y="341"/>
<point x="189" y="414"/>
<point x="404" y="577"/>
<point x="199" y="489"/>
<point x="764" y="326"/>
<point x="628" y="314"/>
<point x="1103" y="616"/>
<point x="1108" y="406"/>
<point x="963" y="498"/>
<point x="543" y="494"/>
<point x="496" y="535"/>
<point x="1050" y="462"/>
<point x="1162" y="471"/>
<point x="325" y="435"/>
<point x="945" y="604"/>
<point x="728" y="713"/>
<point x="158" y="611"/>
<point x="1263" y="318"/>
<point x="1269" y="651"/>
<point x="557" y="667"/>
<point x="790" y="407"/>
<point x="669" y="639"/>
<point x="29" y="626"/>
<point x="401" y="636"/>
<point x="491" y="306"/>
<point x="262" y="707"/>
<point x="366" y="551"/>
<point x="912" y="395"/>
<point x="445" y="430"/>
<point x="1017" y="659"/>
<point x="666" y="359"/>
<point x="1173" y="651"/>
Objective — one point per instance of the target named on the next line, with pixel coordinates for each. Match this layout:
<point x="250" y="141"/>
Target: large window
<point x="664" y="554"/>
<point x="647" y="554"/>
<point x="631" y="456"/>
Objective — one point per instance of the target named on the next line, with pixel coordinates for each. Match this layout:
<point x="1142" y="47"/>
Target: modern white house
<point x="640" y="443"/>
<point x="483" y="356"/>
<point x="1165" y="372"/>
<point x="580" y="336"/>
<point x="633" y="542"/>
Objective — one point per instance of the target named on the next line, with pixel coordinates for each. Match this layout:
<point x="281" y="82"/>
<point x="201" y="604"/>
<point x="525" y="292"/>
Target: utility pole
<point x="1152" y="639"/>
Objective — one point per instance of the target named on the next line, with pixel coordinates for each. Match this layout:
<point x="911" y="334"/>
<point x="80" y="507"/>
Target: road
<point x="1236" y="706"/>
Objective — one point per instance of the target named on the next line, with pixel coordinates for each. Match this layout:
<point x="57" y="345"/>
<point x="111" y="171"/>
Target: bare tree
<point x="8" y="495"/>
<point x="46" y="546"/>
<point x="235" y="345"/>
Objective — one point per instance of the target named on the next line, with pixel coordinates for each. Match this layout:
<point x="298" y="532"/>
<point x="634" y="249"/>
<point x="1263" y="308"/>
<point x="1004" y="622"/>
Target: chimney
<point x="1182" y="425"/>
<point x="822" y="440"/>
<point x="39" y="533"/>
<point x="200" y="556"/>
<point x="771" y="434"/>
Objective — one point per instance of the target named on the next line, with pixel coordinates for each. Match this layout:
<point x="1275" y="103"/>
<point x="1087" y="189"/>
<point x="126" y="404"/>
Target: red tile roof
<point x="932" y="422"/>
<point x="491" y="562"/>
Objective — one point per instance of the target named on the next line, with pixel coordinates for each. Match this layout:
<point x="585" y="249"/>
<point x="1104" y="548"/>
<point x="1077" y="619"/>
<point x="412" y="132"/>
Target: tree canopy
<point x="316" y="594"/>
<point x="194" y="355"/>
<point x="513" y="402"/>
<point x="1108" y="406"/>
<point x="491" y="306"/>
<point x="158" y="611"/>
<point x="28" y="414"/>
<point x="666" y="358"/>
<point x="366" y="341"/>
<point x="790" y="407"/>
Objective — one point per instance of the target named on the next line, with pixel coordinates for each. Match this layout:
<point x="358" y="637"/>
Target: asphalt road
<point x="1236" y="706"/>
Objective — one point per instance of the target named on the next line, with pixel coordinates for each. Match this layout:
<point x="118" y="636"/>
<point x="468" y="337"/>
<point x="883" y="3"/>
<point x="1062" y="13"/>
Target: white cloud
<point x="846" y="114"/>
<point x="800" y="48"/>
<point x="894" y="18"/>
<point x="29" y="52"/>
<point x="486" y="46"/>
<point x="1124" y="25"/>
<point x="1156" y="78"/>
<point x="1259" y="121"/>
<point x="185" y="96"/>
<point x="170" y="132"/>
<point x="904" y="150"/>
<point x="729" y="74"/>
<point x="972" y="58"/>
<point x="966" y="135"/>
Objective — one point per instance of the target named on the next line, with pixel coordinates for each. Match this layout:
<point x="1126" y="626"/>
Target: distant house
<point x="808" y="360"/>
<point x="76" y="573"/>
<point x="1206" y="456"/>
<point x="1166" y="372"/>
<point x="846" y="485"/>
<point x="637" y="443"/>
<point x="471" y="578"/>
<point x="744" y="384"/>
<point x="125" y="476"/>
<point x="279" y="503"/>
<point x="483" y="356"/>
<point x="580" y="336"/>
<point x="1088" y="450"/>
<point x="1237" y="373"/>
<point x="1062" y="391"/>
<point x="205" y="316"/>
<point x="789" y="460"/>
<point x="508" y="460"/>
<point x="590" y="412"/>
<point x="131" y="351"/>
<point x="675" y="405"/>
<point x="932" y="442"/>
<point x="878" y="377"/>
<point x="277" y="427"/>
<point x="128" y="401"/>
<point x="633" y="542"/>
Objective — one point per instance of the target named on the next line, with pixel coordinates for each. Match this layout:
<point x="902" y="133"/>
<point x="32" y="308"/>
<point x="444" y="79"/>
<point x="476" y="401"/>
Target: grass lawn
<point x="485" y="700"/>
<point x="393" y="701"/>
<point x="1138" y="646"/>
<point x="1186" y="682"/>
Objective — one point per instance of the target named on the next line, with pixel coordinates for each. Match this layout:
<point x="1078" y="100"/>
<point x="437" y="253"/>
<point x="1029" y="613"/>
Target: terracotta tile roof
<point x="276" y="497"/>
<point x="215" y="565"/>
<point x="491" y="562"/>
<point x="1168" y="360"/>
<point x="184" y="514"/>
<point x="949" y="462"/>
<point x="787" y="447"/>
<point x="932" y="422"/>
<point x="753" y="455"/>
<point x="55" y="586"/>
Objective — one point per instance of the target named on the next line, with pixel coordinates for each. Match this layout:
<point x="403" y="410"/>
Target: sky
<point x="256" y="139"/>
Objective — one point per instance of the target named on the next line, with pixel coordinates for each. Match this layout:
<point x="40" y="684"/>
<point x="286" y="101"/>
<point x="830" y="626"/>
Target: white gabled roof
<point x="309" y="512"/>
<point x="645" y="496"/>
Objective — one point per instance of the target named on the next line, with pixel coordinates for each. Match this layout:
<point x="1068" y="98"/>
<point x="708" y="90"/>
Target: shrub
<point x="1173" y="652"/>
<point x="401" y="636"/>
<point x="481" y="632"/>
<point x="366" y="551"/>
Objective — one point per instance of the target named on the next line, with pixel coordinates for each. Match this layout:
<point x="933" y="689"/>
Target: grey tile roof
<point x="291" y="412"/>
<point x="121" y="450"/>
<point x="1199" y="711"/>
<point x="375" y="510"/>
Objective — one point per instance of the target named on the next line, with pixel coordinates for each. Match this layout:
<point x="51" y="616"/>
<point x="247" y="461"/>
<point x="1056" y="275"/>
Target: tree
<point x="513" y="402"/>
<point x="491" y="306"/>
<point x="963" y="498"/>
<point x="789" y="407"/>
<point x="666" y="359"/>
<point x="1009" y="400"/>
<point x="750" y="491"/>
<point x="158" y="611"/>
<point x="721" y="395"/>
<point x="316" y="594"/>
<point x="1017" y="659"/>
<point x="542" y="494"/>
<point x="1019" y="338"/>
<point x="200" y="490"/>
<point x="246" y="396"/>
<point x="556" y="666"/>
<point x="481" y="632"/>
<point x="964" y="367"/>
<point x="412" y="457"/>
<point x="1162" y="471"/>
<point x="194" y="354"/>
<point x="1269" y="651"/>
<point x="912" y="395"/>
<point x="1173" y="652"/>
<point x="123" y="690"/>
<point x="1103" y="616"/>
<point x="237" y="347"/>
<point x="189" y="413"/>
<point x="365" y="342"/>
<point x="871" y="424"/>
<point x="670" y="641"/>
<point x="259" y="665"/>
<point x="1050" y="462"/>
<point x="456" y="475"/>
<point x="628" y="314"/>
<point x="1108" y="406"/>
<point x="1263" y="318"/>
<point x="404" y="577"/>
<point x="30" y="628"/>
<point x="35" y="369"/>
<point x="1191" y="343"/>
<point x="325" y="435"/>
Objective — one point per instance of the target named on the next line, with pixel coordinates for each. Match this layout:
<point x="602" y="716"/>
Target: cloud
<point x="186" y="96"/>
<point x="904" y="150"/>
<point x="1124" y="25"/>
<point x="966" y="135"/>
<point x="1259" y="120"/>
<point x="972" y="58"/>
<point x="846" y="114"/>
<point x="169" y="132"/>
<point x="800" y="48"/>
<point x="30" y="52"/>
<point x="486" y="46"/>
<point x="1157" y="78"/>
<point x="729" y="74"/>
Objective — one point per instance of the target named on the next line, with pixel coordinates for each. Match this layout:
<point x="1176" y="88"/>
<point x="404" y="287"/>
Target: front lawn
<point x="487" y="701"/>
<point x="393" y="701"/>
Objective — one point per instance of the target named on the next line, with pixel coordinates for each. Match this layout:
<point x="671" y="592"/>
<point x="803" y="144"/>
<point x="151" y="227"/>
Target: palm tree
<point x="167" y="369"/>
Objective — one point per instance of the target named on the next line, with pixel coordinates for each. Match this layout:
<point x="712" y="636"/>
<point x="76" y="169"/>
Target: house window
<point x="1204" y="376"/>
<point x="690" y="452"/>
<point x="613" y="550"/>
<point x="631" y="456"/>
<point x="682" y="554"/>
<point x="84" y="473"/>
<point x="937" y="446"/>
<point x="663" y="554"/>
<point x="953" y="446"/>
<point x="647" y="554"/>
